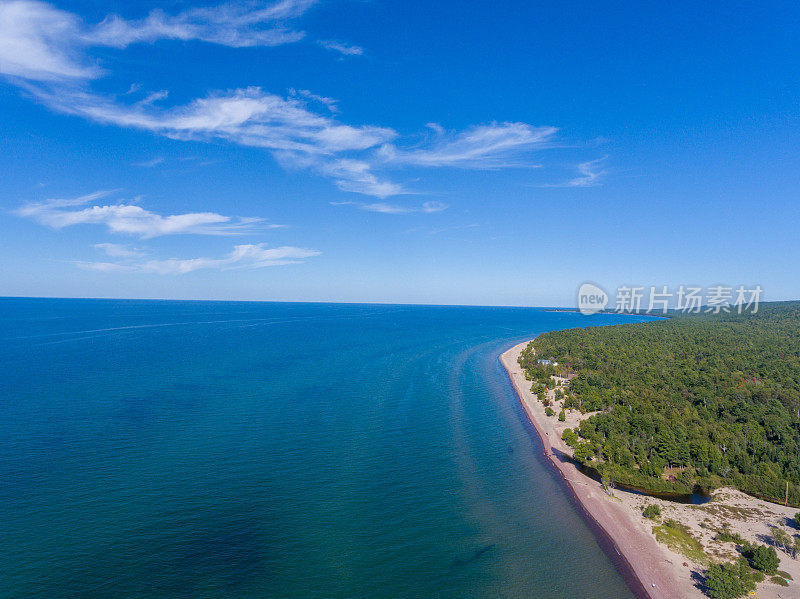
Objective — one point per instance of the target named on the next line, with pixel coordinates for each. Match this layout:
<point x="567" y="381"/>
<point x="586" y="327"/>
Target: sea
<point x="169" y="449"/>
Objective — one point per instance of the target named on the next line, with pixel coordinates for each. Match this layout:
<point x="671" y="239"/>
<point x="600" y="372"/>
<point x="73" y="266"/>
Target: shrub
<point x="780" y="539"/>
<point x="728" y="581"/>
<point x="726" y="536"/>
<point x="549" y="411"/>
<point x="569" y="437"/>
<point x="651" y="511"/>
<point x="780" y="581"/>
<point x="762" y="557"/>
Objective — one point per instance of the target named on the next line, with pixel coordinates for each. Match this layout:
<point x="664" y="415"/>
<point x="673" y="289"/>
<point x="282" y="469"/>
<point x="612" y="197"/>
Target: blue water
<point x="221" y="449"/>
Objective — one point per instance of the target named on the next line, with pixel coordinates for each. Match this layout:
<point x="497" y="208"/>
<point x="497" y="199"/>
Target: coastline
<point x="649" y="565"/>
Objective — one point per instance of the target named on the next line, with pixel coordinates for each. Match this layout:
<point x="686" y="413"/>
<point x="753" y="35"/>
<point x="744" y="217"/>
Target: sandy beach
<point x="662" y="572"/>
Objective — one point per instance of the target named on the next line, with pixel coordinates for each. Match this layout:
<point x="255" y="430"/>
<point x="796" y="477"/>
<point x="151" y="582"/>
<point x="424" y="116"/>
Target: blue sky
<point x="396" y="151"/>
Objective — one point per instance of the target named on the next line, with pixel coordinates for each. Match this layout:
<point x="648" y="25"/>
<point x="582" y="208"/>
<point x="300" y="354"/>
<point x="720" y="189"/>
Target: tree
<point x="728" y="581"/>
<point x="780" y="539"/>
<point x="549" y="411"/>
<point x="762" y="558"/>
<point x="584" y="452"/>
<point x="716" y="395"/>
<point x="562" y="416"/>
<point x="797" y="519"/>
<point x="569" y="437"/>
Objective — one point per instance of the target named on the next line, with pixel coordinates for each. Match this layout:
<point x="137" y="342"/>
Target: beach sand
<point x="662" y="572"/>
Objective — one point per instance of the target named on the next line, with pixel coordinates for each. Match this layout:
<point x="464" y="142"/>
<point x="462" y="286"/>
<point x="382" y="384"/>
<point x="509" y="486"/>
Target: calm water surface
<point x="225" y="449"/>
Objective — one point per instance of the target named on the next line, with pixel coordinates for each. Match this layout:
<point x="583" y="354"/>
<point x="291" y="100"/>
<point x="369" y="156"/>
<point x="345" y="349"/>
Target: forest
<point x="684" y="404"/>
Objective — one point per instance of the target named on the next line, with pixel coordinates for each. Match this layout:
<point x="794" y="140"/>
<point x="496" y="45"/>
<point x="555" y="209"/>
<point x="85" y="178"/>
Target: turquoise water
<point x="221" y="449"/>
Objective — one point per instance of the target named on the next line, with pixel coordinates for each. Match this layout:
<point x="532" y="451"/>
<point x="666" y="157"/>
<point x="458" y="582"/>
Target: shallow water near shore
<point x="236" y="449"/>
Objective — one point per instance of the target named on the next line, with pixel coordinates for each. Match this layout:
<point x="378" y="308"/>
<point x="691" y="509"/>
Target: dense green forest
<point x="691" y="401"/>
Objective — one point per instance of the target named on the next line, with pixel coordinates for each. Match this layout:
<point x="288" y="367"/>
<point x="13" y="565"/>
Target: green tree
<point x="763" y="558"/>
<point x="728" y="581"/>
<point x="584" y="452"/>
<point x="562" y="416"/>
<point x="781" y="539"/>
<point x="569" y="437"/>
<point x="716" y="395"/>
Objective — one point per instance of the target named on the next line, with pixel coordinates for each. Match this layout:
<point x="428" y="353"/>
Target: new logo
<point x="591" y="299"/>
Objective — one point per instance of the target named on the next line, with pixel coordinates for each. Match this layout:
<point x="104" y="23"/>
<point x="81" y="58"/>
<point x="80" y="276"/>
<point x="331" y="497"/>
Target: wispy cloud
<point x="234" y="24"/>
<point x="118" y="250"/>
<point x="386" y="208"/>
<point x="42" y="43"/>
<point x="131" y="219"/>
<point x="241" y="257"/>
<point x="489" y="146"/>
<point x="150" y="163"/>
<point x="341" y="48"/>
<point x="330" y="103"/>
<point x="590" y="171"/>
<point x="439" y="230"/>
<point x="47" y="52"/>
<point x="357" y="176"/>
<point x="249" y="117"/>
<point x="296" y="136"/>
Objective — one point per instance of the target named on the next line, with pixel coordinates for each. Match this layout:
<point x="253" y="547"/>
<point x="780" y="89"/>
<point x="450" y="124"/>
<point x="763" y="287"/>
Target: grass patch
<point x="726" y="536"/>
<point x="779" y="581"/>
<point x="677" y="537"/>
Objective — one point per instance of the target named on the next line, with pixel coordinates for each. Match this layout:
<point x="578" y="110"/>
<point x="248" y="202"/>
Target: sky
<point x="397" y="151"/>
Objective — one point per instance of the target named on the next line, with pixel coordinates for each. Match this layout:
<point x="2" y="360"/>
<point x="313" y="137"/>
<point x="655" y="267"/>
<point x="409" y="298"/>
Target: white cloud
<point x="436" y="128"/>
<point x="150" y="163"/>
<point x="131" y="219"/>
<point x="343" y="49"/>
<point x="154" y="97"/>
<point x="46" y="51"/>
<point x="386" y="208"/>
<point x="103" y="266"/>
<point x="39" y="42"/>
<point x="330" y="103"/>
<point x="248" y="117"/>
<point x="485" y="146"/>
<point x="241" y="257"/>
<point x="233" y="24"/>
<point x="356" y="176"/>
<point x="590" y="174"/>
<point x="117" y="250"/>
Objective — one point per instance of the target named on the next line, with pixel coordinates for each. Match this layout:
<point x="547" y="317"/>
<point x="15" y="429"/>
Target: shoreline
<point x="638" y="554"/>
